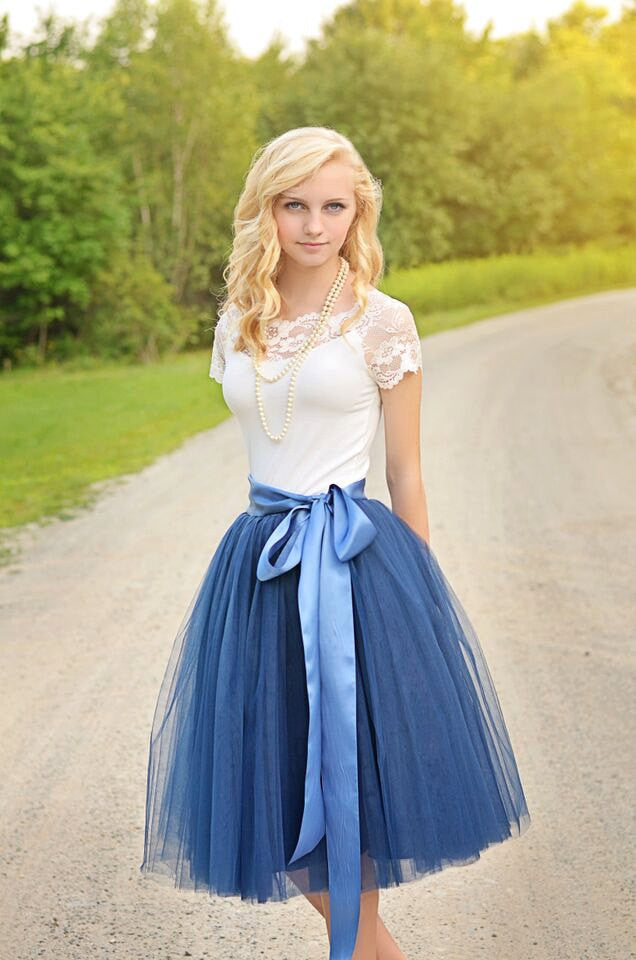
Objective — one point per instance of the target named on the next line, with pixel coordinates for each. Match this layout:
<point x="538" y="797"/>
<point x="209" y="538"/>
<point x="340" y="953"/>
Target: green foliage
<point x="122" y="156"/>
<point x="183" y="145"/>
<point x="61" y="214"/>
<point x="132" y="313"/>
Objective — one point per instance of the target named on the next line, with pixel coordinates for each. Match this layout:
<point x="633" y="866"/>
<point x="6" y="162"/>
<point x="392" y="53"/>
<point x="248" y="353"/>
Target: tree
<point x="61" y="212"/>
<point x="186" y="134"/>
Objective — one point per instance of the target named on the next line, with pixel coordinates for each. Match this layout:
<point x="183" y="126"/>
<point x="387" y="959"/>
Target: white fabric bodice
<point x="337" y="402"/>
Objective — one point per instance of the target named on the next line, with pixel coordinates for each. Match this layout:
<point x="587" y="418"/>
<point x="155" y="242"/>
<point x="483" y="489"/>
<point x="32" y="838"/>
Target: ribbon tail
<point x="340" y="754"/>
<point x="312" y="828"/>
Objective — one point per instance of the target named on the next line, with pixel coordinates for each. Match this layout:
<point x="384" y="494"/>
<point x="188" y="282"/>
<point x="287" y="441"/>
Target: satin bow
<point x="321" y="532"/>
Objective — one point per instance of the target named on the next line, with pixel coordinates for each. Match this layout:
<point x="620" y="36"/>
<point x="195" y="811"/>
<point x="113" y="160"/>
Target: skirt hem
<point x="284" y="888"/>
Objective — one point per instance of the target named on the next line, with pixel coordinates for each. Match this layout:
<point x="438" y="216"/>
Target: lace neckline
<point x="314" y="314"/>
<point x="283" y="338"/>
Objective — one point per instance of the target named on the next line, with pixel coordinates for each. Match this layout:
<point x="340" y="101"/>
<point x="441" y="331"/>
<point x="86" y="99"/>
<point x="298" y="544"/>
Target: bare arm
<point x="401" y="405"/>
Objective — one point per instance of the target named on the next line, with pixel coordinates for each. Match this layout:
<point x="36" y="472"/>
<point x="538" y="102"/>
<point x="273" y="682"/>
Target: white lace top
<point x="337" y="402"/>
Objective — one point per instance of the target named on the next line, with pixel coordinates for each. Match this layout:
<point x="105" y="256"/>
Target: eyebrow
<point x="290" y="196"/>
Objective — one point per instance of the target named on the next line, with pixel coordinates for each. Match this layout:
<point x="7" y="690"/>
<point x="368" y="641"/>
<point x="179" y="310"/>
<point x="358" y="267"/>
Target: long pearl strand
<point x="298" y="358"/>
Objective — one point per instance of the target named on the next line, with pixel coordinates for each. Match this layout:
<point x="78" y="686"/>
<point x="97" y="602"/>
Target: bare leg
<point x="386" y="947"/>
<point x="366" y="941"/>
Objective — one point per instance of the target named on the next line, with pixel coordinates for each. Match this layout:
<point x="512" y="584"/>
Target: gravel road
<point x="529" y="461"/>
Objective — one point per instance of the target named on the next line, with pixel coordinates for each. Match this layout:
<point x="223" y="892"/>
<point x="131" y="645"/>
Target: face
<point x="318" y="210"/>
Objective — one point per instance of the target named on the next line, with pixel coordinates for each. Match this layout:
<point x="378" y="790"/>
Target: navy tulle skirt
<point x="437" y="777"/>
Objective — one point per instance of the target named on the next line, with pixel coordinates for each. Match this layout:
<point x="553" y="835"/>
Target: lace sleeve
<point x="392" y="344"/>
<point x="217" y="361"/>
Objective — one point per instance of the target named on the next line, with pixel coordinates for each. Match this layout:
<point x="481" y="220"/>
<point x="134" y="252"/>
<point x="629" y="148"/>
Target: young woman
<point x="327" y="723"/>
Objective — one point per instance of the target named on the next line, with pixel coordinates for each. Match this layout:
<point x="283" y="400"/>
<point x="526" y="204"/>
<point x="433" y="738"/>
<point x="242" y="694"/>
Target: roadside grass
<point x="453" y="293"/>
<point x="62" y="430"/>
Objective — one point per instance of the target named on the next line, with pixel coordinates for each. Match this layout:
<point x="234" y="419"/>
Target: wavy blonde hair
<point x="255" y="259"/>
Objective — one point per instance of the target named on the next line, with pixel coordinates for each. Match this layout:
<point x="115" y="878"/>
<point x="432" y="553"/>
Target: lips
<point x="306" y="244"/>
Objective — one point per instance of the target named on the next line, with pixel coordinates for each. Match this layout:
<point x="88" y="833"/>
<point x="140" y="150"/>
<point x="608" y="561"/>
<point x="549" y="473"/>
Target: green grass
<point x="63" y="429"/>
<point x="454" y="293"/>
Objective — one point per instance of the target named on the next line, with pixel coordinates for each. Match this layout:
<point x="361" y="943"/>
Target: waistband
<point x="264" y="498"/>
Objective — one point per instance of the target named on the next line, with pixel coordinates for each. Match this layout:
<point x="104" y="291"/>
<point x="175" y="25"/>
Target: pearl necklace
<point x="298" y="358"/>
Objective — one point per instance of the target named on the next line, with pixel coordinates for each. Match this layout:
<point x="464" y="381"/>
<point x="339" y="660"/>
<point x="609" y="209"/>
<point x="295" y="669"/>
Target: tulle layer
<point x="438" y="780"/>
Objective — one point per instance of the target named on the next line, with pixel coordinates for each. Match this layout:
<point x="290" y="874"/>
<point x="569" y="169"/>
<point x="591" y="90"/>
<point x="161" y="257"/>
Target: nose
<point x="313" y="224"/>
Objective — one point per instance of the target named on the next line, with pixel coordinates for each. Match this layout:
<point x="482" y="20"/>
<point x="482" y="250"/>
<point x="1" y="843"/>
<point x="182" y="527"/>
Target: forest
<point x="123" y="151"/>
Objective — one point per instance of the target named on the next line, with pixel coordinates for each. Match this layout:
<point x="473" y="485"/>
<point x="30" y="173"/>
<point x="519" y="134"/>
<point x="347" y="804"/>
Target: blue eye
<point x="336" y="203"/>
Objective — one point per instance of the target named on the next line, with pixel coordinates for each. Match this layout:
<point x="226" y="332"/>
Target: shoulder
<point x="227" y="321"/>
<point x="388" y="311"/>
<point x="390" y="338"/>
<point x="228" y="317"/>
<point x="227" y="325"/>
<point x="387" y="317"/>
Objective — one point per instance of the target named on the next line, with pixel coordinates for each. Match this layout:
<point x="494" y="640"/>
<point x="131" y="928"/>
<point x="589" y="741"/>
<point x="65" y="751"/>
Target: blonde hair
<point x="255" y="259"/>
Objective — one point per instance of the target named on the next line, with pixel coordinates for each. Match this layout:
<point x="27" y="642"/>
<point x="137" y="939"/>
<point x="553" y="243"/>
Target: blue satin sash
<point x="321" y="532"/>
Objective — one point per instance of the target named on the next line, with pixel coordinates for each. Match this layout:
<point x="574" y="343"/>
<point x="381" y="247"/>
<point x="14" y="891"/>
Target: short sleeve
<point x="392" y="344"/>
<point x="217" y="362"/>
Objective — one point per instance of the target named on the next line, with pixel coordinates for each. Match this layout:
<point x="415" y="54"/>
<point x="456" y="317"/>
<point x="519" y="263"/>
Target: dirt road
<point x="529" y="460"/>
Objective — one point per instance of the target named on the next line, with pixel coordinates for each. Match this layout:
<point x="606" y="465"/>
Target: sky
<point x="251" y="25"/>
